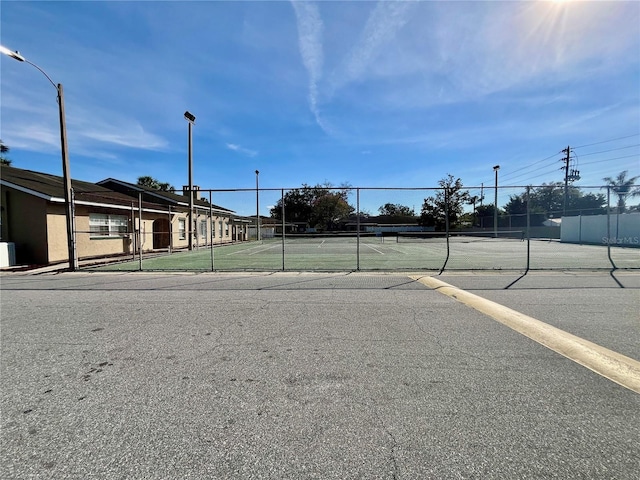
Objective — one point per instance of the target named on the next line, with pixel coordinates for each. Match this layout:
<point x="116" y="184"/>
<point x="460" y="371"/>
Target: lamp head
<point x="11" y="54"/>
<point x="190" y="117"/>
<point x="257" y="172"/>
<point x="496" y="168"/>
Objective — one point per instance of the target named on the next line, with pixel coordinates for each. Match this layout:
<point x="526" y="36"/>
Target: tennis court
<point x="507" y="251"/>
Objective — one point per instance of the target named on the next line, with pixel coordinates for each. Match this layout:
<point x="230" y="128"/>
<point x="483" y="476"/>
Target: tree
<point x="396" y="210"/>
<point x="472" y="201"/>
<point x="323" y="206"/>
<point x="151" y="182"/>
<point x="329" y="210"/>
<point x="484" y="215"/>
<point x="4" y="160"/>
<point x="548" y="201"/>
<point x="623" y="187"/>
<point x="448" y="203"/>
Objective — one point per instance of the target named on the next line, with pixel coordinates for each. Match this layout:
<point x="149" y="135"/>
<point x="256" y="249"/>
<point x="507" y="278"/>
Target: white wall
<point x="624" y="229"/>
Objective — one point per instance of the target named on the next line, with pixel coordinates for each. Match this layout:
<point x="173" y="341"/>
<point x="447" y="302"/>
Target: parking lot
<point x="311" y="375"/>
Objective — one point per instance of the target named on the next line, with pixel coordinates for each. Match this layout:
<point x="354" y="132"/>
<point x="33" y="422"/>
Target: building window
<point x="226" y="229"/>
<point x="102" y="225"/>
<point x="182" y="226"/>
<point x="203" y="229"/>
<point x="221" y="227"/>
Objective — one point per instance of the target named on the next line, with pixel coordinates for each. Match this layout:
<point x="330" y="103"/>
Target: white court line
<point x="257" y="249"/>
<point x="373" y="248"/>
<point x="321" y="243"/>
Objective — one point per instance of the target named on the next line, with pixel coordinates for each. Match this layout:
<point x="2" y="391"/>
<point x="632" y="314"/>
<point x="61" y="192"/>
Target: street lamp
<point x="68" y="192"/>
<point x="191" y="119"/>
<point x="495" y="204"/>
<point x="257" y="207"/>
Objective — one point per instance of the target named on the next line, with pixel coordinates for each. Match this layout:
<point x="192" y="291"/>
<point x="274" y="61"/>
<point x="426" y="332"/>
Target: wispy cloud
<point x="310" y="29"/>
<point x="386" y="19"/>
<point x="244" y="151"/>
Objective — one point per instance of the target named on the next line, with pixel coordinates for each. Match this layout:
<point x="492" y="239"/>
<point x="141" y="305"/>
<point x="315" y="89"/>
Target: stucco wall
<point x="57" y="233"/>
<point x="24" y="223"/>
<point x="88" y="247"/>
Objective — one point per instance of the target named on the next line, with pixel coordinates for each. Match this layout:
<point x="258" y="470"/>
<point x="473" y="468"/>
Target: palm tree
<point x="624" y="187"/>
<point x="3" y="159"/>
<point x="155" y="184"/>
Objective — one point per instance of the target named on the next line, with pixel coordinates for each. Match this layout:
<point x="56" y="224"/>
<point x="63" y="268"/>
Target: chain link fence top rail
<point x="359" y="229"/>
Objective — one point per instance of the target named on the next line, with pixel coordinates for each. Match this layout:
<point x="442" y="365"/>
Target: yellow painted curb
<point x="612" y="365"/>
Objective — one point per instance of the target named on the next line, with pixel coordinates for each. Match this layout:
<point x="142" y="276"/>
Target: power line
<point x="607" y="141"/>
<point x="608" y="159"/>
<point x="610" y="150"/>
<point x="529" y="166"/>
<point x="550" y="172"/>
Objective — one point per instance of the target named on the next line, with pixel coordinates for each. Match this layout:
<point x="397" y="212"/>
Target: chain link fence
<point x="359" y="229"/>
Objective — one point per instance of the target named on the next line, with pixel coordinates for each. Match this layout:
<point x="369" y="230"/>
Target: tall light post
<point x="495" y="204"/>
<point x="68" y="193"/>
<point x="257" y="207"/>
<point x="191" y="119"/>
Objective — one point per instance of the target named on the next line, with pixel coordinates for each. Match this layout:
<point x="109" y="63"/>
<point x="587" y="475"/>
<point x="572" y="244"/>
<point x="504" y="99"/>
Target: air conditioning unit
<point x="7" y="254"/>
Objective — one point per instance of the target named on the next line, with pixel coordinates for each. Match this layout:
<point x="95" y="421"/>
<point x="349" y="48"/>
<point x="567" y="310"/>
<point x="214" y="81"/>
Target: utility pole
<point x="569" y="175"/>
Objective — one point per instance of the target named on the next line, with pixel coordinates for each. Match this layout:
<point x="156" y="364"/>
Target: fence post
<point x="609" y="227"/>
<point x="140" y="231"/>
<point x="446" y="227"/>
<point x="170" y="232"/>
<point x="134" y="240"/>
<point x="357" y="229"/>
<point x="212" y="228"/>
<point x="74" y="230"/>
<point x="528" y="229"/>
<point x="283" y="225"/>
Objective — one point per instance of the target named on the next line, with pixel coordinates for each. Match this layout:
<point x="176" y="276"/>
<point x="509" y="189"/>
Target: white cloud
<point x="387" y="18"/>
<point x="132" y="137"/>
<point x="242" y="150"/>
<point x="310" y="28"/>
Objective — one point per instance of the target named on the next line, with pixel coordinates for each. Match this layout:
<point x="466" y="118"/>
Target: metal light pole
<point x="495" y="204"/>
<point x="191" y="119"/>
<point x="257" y="207"/>
<point x="68" y="192"/>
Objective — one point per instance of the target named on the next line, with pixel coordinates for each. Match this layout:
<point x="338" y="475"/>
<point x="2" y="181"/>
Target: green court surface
<point x="387" y="253"/>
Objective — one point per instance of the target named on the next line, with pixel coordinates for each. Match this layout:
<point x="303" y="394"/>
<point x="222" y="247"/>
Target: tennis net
<point x="338" y="237"/>
<point x="460" y="237"/>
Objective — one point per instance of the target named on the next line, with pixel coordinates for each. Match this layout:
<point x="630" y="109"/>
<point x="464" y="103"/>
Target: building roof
<point x="110" y="192"/>
<point x="51" y="187"/>
<point x="153" y="195"/>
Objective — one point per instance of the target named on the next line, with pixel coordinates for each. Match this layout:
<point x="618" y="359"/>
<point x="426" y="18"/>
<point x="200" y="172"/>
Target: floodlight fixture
<point x="190" y="116"/>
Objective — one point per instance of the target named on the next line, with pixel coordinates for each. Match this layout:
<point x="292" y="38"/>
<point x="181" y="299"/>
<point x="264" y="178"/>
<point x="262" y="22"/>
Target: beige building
<point x="111" y="219"/>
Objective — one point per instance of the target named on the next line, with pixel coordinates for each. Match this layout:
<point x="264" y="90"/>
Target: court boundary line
<point x="612" y="365"/>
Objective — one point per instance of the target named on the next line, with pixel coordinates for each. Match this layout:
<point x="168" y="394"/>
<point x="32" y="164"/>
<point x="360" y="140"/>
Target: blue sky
<point x="374" y="94"/>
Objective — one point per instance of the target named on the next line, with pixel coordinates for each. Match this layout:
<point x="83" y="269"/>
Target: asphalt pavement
<point x="301" y="375"/>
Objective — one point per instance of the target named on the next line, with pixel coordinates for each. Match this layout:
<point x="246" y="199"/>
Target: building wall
<point x="56" y="242"/>
<point x="38" y="229"/>
<point x="87" y="245"/>
<point x="24" y="223"/>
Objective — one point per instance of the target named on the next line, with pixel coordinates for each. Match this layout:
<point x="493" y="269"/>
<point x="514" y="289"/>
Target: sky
<point x="390" y="94"/>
